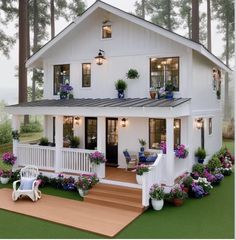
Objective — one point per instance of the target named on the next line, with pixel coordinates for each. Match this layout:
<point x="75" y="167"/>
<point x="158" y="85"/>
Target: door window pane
<point x="91" y="133"/>
<point x="61" y="76"/>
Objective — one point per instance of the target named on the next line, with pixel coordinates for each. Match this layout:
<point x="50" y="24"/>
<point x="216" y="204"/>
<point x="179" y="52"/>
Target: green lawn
<point x="209" y="217"/>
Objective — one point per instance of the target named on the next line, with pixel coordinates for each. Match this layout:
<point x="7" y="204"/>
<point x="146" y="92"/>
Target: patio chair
<point x="28" y="184"/>
<point x="131" y="160"/>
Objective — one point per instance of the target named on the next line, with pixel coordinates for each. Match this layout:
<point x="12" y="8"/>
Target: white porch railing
<point x="76" y="160"/>
<point x="42" y="157"/>
<point x="151" y="177"/>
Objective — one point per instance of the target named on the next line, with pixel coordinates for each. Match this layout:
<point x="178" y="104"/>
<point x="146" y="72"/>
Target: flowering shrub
<point x="224" y="154"/>
<point x="181" y="151"/>
<point x="213" y="178"/>
<point x="163" y="147"/>
<point x="86" y="182"/>
<point x="65" y="88"/>
<point x="9" y="158"/>
<point x="157" y="192"/>
<point x="197" y="190"/>
<point x="176" y="193"/>
<point x="5" y="173"/>
<point x="97" y="157"/>
<point x="68" y="184"/>
<point x="203" y="183"/>
<point x="140" y="169"/>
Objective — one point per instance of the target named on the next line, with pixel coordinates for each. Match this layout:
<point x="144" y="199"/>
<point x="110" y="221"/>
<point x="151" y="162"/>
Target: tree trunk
<point x="35" y="45"/>
<point x="52" y="9"/>
<point x="195" y="20"/>
<point x="23" y="51"/>
<point x="169" y="15"/>
<point x="209" y="25"/>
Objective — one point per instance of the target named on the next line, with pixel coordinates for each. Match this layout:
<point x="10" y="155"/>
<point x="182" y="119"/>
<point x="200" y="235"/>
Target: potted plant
<point x="140" y="170"/>
<point x="15" y="135"/>
<point x="153" y="92"/>
<point x="177" y="195"/>
<point x="213" y="163"/>
<point x="43" y="141"/>
<point x="132" y="74"/>
<point x="121" y="86"/>
<point x="157" y="196"/>
<point x="98" y="160"/>
<point x="86" y="182"/>
<point x="143" y="144"/>
<point x="65" y="90"/>
<point x="181" y="151"/>
<point x="169" y="89"/>
<point x="74" y="141"/>
<point x="186" y="183"/>
<point x="5" y="176"/>
<point x="200" y="154"/>
<point x="9" y="158"/>
<point x="198" y="168"/>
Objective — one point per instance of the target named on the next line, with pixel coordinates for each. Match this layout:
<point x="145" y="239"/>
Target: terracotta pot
<point x="185" y="189"/>
<point x="153" y="95"/>
<point x="178" y="202"/>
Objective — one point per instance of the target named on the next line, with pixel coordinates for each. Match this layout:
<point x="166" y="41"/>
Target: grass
<point x="229" y="144"/>
<point x="209" y="217"/>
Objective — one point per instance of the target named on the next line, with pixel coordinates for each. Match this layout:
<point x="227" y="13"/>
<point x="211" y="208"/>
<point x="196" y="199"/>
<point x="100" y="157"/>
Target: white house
<point x="192" y="118"/>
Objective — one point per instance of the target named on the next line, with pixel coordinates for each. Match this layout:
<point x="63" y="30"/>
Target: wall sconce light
<point x="100" y="57"/>
<point x="77" y="121"/>
<point x="123" y="122"/>
<point x="199" y="123"/>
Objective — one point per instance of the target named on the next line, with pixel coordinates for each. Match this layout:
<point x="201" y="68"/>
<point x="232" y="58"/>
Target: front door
<point x="91" y="133"/>
<point x="112" y="141"/>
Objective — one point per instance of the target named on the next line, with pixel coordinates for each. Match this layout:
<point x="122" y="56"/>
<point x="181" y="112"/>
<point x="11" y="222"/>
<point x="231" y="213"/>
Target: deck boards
<point x="120" y="174"/>
<point x="99" y="219"/>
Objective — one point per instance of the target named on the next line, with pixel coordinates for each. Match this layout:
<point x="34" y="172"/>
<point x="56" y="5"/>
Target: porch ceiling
<point x="101" y="107"/>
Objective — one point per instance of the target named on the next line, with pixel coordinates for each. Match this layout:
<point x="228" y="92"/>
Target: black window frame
<point x="210" y="126"/>
<point x="83" y="76"/>
<point x="56" y="88"/>
<point x="164" y="58"/>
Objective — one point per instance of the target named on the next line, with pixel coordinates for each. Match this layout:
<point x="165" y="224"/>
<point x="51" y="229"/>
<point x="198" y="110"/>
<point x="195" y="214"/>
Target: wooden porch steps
<point x="116" y="196"/>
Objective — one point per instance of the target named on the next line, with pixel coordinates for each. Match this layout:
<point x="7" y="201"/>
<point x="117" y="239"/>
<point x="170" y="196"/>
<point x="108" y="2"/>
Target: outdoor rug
<point x="107" y="221"/>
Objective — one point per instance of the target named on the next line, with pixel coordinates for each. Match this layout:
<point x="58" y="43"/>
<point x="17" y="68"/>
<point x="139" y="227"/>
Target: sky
<point x="8" y="80"/>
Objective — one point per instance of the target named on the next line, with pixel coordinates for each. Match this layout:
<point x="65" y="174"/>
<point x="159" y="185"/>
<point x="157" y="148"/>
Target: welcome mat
<point x="91" y="217"/>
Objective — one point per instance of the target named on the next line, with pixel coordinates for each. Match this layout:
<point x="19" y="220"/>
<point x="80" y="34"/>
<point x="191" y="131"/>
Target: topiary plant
<point x="132" y="74"/>
<point x="200" y="153"/>
<point x="120" y="84"/>
<point x="214" y="163"/>
<point x="74" y="141"/>
<point x="43" y="141"/>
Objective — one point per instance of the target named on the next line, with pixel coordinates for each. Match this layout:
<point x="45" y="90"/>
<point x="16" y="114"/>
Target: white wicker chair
<point x="27" y="173"/>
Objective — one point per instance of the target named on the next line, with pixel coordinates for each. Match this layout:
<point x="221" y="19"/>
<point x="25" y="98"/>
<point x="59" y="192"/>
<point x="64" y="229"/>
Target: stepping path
<point x="87" y="216"/>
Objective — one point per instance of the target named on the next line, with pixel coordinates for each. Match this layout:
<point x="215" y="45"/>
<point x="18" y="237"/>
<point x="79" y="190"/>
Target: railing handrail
<point x="148" y="181"/>
<point x="35" y="146"/>
<point x="80" y="150"/>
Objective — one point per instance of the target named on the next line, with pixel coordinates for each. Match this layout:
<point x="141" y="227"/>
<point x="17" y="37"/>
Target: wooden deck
<point x="120" y="174"/>
<point x="99" y="219"/>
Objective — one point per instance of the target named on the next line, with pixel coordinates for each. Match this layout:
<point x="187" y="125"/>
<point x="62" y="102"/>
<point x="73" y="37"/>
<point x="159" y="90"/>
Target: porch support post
<point x="45" y="127"/>
<point x="170" y="150"/>
<point x="59" y="143"/>
<point x="101" y="134"/>
<point x="15" y="127"/>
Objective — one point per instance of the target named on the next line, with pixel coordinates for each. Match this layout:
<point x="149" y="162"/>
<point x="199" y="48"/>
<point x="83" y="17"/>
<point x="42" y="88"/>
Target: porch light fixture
<point x="199" y="123"/>
<point x="77" y="120"/>
<point x="123" y="122"/>
<point x="100" y="57"/>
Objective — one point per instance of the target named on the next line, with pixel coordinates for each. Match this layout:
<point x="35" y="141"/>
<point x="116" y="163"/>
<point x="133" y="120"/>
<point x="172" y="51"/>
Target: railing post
<point x="59" y="143"/>
<point x="15" y="127"/>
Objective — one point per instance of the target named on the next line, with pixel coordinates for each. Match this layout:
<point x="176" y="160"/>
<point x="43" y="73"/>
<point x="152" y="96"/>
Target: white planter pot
<point x="4" y="180"/>
<point x="82" y="192"/>
<point x="99" y="169"/>
<point x="139" y="179"/>
<point x="157" y="204"/>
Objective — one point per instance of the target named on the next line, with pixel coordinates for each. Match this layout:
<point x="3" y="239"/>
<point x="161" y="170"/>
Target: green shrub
<point x="132" y="74"/>
<point x="74" y="141"/>
<point x="31" y="127"/>
<point x="120" y="84"/>
<point x="214" y="163"/>
<point x="200" y="153"/>
<point x="199" y="168"/>
<point x="5" y="132"/>
<point x="43" y="141"/>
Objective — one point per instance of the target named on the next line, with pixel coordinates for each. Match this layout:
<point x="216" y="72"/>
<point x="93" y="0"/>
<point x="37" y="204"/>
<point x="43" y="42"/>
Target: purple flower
<point x="65" y="88"/>
<point x="97" y="157"/>
<point x="9" y="158"/>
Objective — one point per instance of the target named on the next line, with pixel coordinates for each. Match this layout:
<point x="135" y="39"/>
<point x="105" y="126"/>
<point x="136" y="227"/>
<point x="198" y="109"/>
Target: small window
<point x="106" y="31"/>
<point x="177" y="131"/>
<point x="210" y="126"/>
<point x="163" y="70"/>
<point x="86" y="75"/>
<point x="61" y="76"/>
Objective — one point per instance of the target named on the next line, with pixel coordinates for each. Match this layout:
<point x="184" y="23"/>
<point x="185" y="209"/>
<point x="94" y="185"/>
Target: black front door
<point x="91" y="133"/>
<point x="112" y="141"/>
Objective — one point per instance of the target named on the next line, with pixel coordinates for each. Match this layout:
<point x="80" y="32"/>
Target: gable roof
<point x="132" y="18"/>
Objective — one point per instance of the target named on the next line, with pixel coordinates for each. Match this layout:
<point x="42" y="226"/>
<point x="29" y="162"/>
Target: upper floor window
<point x="163" y="70"/>
<point x="106" y="31"/>
<point x="86" y="75"/>
<point x="61" y="76"/>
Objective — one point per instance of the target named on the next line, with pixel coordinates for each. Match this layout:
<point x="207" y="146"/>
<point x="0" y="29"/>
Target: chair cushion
<point x="151" y="158"/>
<point x="26" y="183"/>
